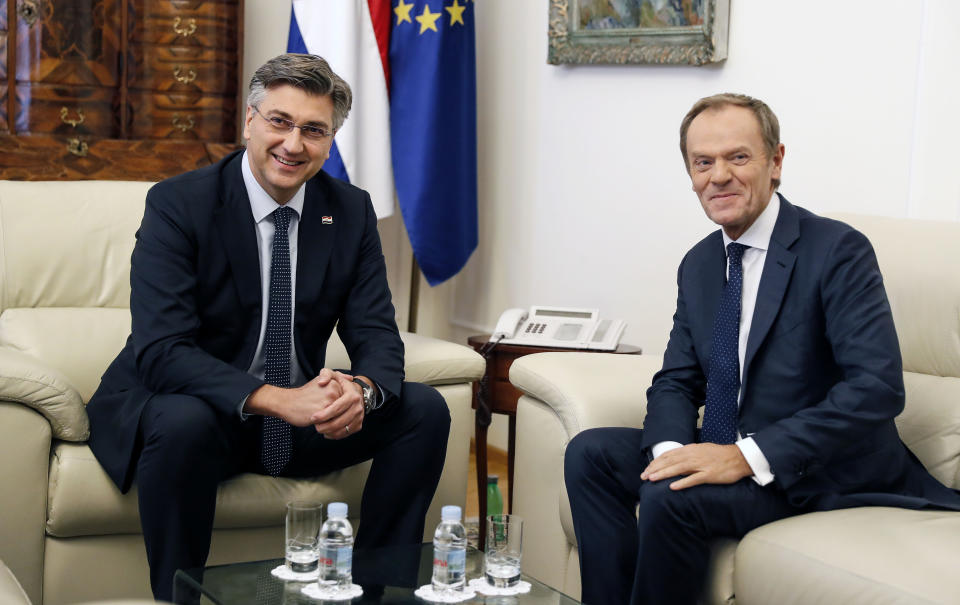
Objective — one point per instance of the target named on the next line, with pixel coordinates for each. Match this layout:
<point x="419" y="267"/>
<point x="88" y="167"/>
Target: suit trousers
<point x="641" y="542"/>
<point x="187" y="449"/>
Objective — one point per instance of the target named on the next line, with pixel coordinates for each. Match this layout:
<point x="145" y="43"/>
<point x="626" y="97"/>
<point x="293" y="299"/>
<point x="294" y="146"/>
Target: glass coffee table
<point x="387" y="575"/>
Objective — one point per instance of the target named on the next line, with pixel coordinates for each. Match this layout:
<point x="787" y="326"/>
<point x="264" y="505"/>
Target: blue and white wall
<point x="583" y="197"/>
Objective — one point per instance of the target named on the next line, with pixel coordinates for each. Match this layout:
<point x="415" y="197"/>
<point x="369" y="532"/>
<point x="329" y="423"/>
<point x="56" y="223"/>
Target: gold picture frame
<point x="672" y="32"/>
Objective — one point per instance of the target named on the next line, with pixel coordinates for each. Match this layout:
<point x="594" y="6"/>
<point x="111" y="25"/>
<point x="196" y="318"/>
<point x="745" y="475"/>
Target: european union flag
<point x="433" y="130"/>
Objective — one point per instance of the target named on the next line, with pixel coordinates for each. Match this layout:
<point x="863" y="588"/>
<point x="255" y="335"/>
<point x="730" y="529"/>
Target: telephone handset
<point x="558" y="327"/>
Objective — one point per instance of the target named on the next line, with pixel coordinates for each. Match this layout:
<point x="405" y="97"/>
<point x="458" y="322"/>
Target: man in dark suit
<point x="240" y="272"/>
<point x="784" y="333"/>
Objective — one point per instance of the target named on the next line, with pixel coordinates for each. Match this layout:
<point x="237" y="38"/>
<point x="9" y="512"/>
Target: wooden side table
<point x="502" y="399"/>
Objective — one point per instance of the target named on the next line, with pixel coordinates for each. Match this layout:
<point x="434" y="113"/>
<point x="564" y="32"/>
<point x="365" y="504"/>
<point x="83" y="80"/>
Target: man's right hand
<point x="298" y="405"/>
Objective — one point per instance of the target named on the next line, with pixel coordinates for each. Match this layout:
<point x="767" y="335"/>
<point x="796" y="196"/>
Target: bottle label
<point x="339" y="558"/>
<point x="455" y="560"/>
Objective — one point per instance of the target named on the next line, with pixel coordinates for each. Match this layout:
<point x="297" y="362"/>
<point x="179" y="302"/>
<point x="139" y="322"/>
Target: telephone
<point x="558" y="327"/>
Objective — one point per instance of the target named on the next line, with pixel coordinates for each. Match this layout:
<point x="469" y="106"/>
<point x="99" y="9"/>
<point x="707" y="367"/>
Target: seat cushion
<point x="860" y="555"/>
<point x="84" y="502"/>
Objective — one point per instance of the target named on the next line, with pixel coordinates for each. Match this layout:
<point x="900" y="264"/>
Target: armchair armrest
<point x="28" y="381"/>
<point x="435" y="362"/>
<point x="588" y="390"/>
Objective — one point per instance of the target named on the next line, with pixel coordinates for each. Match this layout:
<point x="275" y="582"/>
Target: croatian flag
<point x="412" y="129"/>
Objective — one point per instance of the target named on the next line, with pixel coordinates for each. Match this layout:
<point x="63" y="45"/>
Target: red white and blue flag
<point x="412" y="129"/>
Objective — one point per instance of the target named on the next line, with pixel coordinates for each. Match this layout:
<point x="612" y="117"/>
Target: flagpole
<point x="413" y="306"/>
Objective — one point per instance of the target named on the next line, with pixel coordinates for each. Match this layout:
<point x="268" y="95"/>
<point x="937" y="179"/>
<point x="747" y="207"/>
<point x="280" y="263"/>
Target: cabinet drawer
<point x="69" y="42"/>
<point x="48" y="157"/>
<point x="183" y="116"/>
<point x="182" y="69"/>
<point x="67" y="110"/>
<point x="185" y="23"/>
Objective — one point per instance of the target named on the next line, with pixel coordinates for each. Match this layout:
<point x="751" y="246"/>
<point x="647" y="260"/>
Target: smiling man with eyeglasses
<point x="240" y="272"/>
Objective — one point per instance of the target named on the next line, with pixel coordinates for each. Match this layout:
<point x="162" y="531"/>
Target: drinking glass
<point x="501" y="561"/>
<point x="302" y="530"/>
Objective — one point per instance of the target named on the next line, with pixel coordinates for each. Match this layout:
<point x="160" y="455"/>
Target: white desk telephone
<point x="558" y="327"/>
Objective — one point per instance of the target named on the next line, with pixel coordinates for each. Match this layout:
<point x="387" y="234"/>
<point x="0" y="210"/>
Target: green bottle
<point x="494" y="499"/>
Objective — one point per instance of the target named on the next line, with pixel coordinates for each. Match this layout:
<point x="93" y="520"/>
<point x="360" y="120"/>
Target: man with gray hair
<point x="239" y="274"/>
<point x="784" y="335"/>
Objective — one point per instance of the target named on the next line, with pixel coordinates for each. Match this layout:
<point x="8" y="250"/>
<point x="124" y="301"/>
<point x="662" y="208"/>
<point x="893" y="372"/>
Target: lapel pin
<point x="326" y="220"/>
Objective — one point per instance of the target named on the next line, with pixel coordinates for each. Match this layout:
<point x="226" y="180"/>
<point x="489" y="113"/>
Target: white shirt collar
<point x="261" y="204"/>
<point x="759" y="233"/>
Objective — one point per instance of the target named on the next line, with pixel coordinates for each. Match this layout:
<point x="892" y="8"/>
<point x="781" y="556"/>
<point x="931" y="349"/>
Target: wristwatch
<point x="369" y="396"/>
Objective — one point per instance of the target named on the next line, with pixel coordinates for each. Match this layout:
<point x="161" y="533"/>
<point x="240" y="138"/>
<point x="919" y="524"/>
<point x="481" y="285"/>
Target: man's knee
<point x="426" y="406"/>
<point x="583" y="452"/>
<point x="180" y="425"/>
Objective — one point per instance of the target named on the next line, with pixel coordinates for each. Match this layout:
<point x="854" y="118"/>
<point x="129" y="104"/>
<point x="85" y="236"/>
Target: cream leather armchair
<point x="66" y="532"/>
<point x="860" y="555"/>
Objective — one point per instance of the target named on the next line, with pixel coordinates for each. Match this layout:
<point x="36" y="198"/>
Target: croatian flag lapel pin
<point x="326" y="220"/>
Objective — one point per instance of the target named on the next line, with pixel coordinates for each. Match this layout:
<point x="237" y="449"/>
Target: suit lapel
<point x="234" y="224"/>
<point x="314" y="243"/>
<point x="711" y="277"/>
<point x="777" y="270"/>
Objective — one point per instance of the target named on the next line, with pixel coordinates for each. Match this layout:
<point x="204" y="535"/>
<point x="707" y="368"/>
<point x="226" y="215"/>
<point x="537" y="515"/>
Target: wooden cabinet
<point x="117" y="89"/>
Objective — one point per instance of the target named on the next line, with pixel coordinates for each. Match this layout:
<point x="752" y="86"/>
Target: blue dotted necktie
<point x="723" y="380"/>
<point x="276" y="369"/>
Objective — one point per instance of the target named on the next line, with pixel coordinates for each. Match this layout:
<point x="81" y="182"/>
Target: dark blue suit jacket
<point x="823" y="378"/>
<point x="196" y="301"/>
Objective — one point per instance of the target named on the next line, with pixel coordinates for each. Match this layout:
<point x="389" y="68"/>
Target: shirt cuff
<point x="244" y="415"/>
<point x="757" y="461"/>
<point x="663" y="447"/>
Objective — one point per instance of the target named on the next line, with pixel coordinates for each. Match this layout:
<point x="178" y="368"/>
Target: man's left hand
<point x="700" y="463"/>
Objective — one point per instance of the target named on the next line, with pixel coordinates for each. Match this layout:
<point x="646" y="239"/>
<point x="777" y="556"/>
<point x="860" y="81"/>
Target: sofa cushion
<point x="83" y="501"/>
<point x="859" y="555"/>
<point x="53" y="334"/>
<point x="68" y="244"/>
<point x="930" y="424"/>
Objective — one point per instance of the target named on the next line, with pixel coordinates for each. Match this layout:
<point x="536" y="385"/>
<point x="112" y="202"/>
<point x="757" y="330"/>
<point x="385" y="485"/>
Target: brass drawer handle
<point x="182" y="126"/>
<point x="190" y="77"/>
<point x="184" y="31"/>
<point x="77" y="147"/>
<point x="63" y="117"/>
<point x="29" y="11"/>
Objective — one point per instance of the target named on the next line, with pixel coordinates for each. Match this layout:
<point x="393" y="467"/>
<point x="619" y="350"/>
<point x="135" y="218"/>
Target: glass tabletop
<point x="387" y="575"/>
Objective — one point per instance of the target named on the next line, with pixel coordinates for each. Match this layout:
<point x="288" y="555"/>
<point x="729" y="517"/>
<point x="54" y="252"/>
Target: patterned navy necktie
<point x="723" y="381"/>
<point x="275" y="452"/>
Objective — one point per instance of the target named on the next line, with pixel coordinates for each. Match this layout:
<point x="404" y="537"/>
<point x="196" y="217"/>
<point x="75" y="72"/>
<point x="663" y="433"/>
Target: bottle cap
<point x="492" y="479"/>
<point x="337" y="509"/>
<point x="450" y="513"/>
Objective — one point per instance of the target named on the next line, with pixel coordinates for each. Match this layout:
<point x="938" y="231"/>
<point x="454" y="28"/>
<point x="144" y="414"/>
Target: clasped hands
<point x="331" y="402"/>
<point x="698" y="463"/>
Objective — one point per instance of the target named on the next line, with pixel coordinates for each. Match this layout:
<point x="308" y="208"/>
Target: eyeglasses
<point x="284" y="126"/>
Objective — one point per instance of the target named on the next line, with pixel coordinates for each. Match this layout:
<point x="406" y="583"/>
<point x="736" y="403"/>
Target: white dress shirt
<point x="757" y="237"/>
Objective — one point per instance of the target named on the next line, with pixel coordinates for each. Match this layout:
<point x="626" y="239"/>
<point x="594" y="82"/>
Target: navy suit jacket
<point x="823" y="377"/>
<point x="196" y="301"/>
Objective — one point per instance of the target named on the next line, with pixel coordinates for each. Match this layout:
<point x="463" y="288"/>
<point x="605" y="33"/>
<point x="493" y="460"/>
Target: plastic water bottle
<point x="494" y="498"/>
<point x="336" y="549"/>
<point x="449" y="552"/>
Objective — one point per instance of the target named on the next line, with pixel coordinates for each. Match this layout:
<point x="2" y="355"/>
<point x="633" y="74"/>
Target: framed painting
<point x="686" y="32"/>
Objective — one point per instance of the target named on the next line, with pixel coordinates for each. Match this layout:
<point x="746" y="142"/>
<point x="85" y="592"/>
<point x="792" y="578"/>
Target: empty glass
<point x="303" y="526"/>
<point x="501" y="561"/>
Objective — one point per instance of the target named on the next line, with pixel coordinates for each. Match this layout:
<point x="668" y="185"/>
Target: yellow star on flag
<point x="403" y="12"/>
<point x="428" y="20"/>
<point x="456" y="13"/>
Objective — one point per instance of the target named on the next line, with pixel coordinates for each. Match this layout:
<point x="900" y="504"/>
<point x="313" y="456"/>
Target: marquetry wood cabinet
<point x="117" y="89"/>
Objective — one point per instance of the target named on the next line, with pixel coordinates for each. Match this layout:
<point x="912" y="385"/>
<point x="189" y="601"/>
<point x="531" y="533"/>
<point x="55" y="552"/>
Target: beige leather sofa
<point x="66" y="532"/>
<point x="862" y="555"/>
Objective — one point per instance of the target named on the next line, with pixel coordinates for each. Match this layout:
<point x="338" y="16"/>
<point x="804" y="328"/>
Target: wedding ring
<point x="347" y="428"/>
